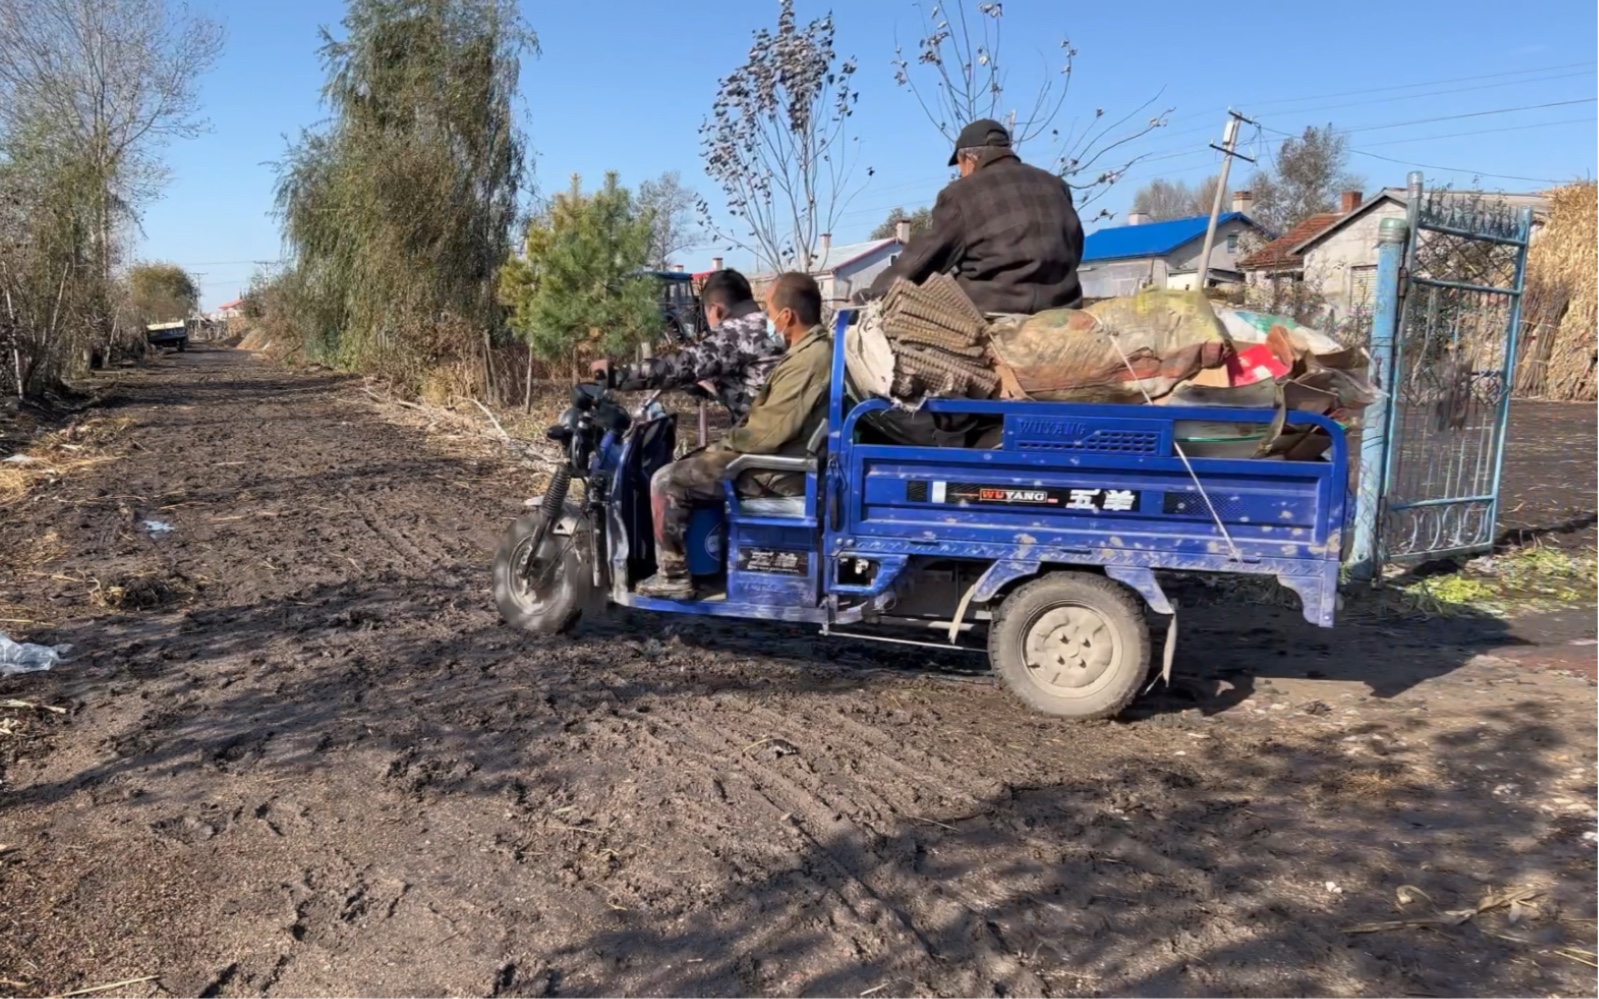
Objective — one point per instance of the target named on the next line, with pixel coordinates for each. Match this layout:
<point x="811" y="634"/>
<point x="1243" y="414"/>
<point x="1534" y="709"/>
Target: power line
<point x="1168" y="152"/>
<point x="1449" y="169"/>
<point x="229" y="263"/>
<point x="1428" y="83"/>
<point x="1472" y="114"/>
<point x="1389" y="100"/>
<point x="1399" y="124"/>
<point x="1429" y="166"/>
<point x="1296" y="111"/>
<point x="913" y="205"/>
<point x="1484" y="131"/>
<point x="1268" y="150"/>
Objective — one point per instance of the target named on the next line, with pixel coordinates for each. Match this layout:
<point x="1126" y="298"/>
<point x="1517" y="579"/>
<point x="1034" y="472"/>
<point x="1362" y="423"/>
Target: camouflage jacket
<point x="735" y="358"/>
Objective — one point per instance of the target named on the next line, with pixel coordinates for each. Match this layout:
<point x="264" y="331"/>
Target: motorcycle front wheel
<point x="541" y="591"/>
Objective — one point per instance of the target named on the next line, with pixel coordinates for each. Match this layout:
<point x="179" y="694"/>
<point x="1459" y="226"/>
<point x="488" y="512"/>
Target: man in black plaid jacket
<point x="1007" y="231"/>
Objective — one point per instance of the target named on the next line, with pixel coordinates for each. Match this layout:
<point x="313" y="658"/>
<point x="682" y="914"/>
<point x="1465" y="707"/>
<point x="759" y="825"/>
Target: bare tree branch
<point x="1162" y="199"/>
<point x="777" y="141"/>
<point x="958" y="76"/>
<point x="671" y="210"/>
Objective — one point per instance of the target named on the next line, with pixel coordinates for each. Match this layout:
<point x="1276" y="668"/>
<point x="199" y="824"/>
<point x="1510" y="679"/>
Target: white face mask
<point x="771" y="329"/>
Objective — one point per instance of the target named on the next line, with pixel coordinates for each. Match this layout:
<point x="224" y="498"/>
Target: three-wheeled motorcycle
<point x="1048" y="542"/>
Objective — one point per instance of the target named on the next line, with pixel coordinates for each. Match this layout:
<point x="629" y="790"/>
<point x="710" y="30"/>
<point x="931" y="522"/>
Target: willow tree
<point x="398" y="212"/>
<point x="54" y="304"/>
<point x="162" y="292"/>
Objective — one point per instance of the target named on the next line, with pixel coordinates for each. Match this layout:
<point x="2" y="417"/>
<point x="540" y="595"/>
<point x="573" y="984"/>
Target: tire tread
<point x="1109" y="598"/>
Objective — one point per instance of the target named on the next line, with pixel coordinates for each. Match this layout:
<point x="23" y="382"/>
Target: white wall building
<point x="1340" y="261"/>
<point x="841" y="271"/>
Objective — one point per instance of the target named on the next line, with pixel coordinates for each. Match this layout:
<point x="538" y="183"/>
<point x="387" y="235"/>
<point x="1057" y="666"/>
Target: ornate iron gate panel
<point x="1451" y="366"/>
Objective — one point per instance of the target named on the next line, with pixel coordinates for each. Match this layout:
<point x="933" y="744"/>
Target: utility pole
<point x="1229" y="147"/>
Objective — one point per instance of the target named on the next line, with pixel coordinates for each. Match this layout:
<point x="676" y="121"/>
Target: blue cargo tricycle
<point x="1049" y="540"/>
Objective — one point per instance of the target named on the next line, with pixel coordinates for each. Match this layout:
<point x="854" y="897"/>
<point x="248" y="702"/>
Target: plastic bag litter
<point x="22" y="657"/>
<point x="157" y="526"/>
<point x="1254" y="327"/>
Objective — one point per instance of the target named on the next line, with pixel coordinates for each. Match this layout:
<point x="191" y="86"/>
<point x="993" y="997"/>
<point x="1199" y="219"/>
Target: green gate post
<point x="1366" y="557"/>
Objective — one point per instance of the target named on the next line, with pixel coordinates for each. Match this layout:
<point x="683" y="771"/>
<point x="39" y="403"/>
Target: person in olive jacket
<point x="1007" y="231"/>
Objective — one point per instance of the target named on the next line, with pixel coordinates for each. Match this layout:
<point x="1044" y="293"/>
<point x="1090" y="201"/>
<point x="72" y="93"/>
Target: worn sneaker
<point x="667" y="587"/>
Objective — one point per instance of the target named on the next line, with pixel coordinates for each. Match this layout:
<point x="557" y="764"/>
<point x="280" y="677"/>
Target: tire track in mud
<point x="334" y="772"/>
<point x="854" y="819"/>
<point x="426" y="557"/>
<point x="854" y="822"/>
<point x="914" y="766"/>
<point x="841" y="828"/>
<point x="686" y="757"/>
<point x="827" y="833"/>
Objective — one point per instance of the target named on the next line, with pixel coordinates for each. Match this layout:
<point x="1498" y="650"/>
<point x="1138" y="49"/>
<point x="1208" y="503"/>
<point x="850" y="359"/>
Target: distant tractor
<point x="680" y="305"/>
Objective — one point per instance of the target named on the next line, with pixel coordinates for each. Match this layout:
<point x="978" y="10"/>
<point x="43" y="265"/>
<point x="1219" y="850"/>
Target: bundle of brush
<point x="939" y="342"/>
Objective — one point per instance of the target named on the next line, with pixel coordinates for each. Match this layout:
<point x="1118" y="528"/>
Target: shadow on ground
<point x="335" y="772"/>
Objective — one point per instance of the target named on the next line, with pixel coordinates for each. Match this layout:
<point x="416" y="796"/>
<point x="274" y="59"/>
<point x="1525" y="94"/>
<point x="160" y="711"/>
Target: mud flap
<point x="1148" y="587"/>
<point x="1169" y="653"/>
<point x="989" y="583"/>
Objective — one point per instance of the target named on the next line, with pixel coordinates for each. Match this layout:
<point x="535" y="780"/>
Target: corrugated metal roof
<point x="838" y="256"/>
<point x="1151" y="239"/>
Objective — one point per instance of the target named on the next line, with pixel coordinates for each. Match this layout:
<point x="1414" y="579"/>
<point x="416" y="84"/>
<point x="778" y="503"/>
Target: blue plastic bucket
<point x="706" y="552"/>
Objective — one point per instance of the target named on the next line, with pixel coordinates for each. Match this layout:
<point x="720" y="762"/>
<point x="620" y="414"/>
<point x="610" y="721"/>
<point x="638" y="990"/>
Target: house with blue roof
<point x="1126" y="259"/>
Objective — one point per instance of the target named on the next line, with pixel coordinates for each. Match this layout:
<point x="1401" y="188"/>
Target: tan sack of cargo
<point x="1071" y="355"/>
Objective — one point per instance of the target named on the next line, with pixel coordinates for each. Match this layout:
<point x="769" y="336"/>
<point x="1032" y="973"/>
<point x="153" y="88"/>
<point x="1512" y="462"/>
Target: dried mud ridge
<point x="303" y="757"/>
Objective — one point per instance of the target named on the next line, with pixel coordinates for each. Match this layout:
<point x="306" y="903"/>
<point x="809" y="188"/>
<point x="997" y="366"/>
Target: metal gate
<point x="1445" y="354"/>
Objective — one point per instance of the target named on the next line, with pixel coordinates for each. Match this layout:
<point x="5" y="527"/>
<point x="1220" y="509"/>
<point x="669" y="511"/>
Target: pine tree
<point x="576" y="287"/>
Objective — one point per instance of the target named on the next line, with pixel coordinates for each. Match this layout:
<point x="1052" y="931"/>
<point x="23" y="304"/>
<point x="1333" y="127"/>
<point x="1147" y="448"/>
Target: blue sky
<point x="624" y="85"/>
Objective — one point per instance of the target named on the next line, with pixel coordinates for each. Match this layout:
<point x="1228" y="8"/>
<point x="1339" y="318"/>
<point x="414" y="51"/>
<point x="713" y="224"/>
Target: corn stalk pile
<point x="1561" y="310"/>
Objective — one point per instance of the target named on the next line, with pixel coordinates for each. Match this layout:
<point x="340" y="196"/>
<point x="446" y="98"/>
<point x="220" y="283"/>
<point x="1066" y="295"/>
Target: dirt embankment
<point x="300" y="755"/>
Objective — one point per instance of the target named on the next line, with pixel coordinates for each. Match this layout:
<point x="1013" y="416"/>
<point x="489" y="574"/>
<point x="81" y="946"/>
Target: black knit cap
<point x="982" y="132"/>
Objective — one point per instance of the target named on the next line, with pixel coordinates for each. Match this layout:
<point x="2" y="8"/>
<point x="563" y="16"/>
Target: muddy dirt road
<point x="301" y="756"/>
